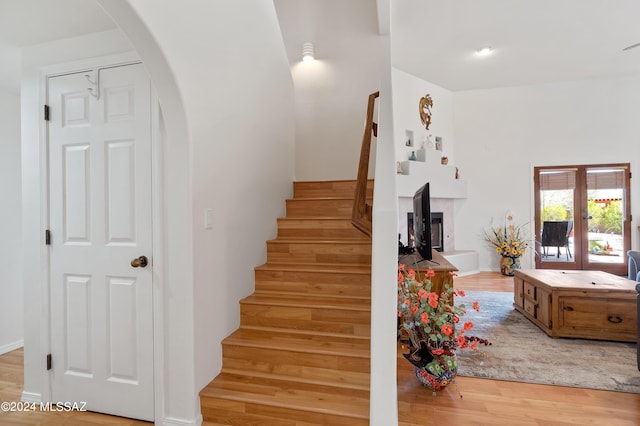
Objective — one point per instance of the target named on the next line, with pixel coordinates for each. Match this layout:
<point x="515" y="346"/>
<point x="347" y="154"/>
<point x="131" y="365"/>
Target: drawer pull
<point x="568" y="308"/>
<point x="614" y="319"/>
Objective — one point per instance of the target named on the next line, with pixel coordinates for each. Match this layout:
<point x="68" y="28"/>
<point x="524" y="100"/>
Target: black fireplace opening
<point x="437" y="231"/>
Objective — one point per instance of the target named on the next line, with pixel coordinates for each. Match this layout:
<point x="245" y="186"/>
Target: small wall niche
<point x="408" y="140"/>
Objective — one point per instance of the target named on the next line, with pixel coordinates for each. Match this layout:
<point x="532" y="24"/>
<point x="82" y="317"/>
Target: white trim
<point x="157" y="187"/>
<point x="157" y="219"/>
<point x="11" y="347"/>
<point x="30" y="397"/>
<point x="89" y="64"/>
<point x="172" y="421"/>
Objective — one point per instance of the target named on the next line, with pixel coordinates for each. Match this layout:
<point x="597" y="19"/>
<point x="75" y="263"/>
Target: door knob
<point x="140" y="262"/>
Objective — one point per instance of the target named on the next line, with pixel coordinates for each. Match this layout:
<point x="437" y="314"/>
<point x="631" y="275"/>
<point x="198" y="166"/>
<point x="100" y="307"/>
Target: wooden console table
<point x="440" y="266"/>
<point x="581" y="304"/>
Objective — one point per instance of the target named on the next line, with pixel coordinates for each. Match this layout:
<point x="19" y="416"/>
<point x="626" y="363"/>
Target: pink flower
<point x="476" y="306"/>
<point x="437" y="351"/>
<point x="467" y="326"/>
<point x="430" y="273"/>
<point x="423" y="293"/>
<point x="424" y="317"/>
<point x="447" y="329"/>
<point x="433" y="300"/>
<point x="462" y="342"/>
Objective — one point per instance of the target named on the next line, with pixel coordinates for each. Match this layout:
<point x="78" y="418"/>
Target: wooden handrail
<point x="362" y="216"/>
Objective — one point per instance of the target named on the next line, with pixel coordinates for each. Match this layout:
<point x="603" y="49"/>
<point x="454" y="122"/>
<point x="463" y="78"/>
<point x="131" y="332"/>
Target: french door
<point x="582" y="217"/>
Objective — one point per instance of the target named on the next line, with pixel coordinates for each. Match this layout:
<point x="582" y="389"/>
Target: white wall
<point x="407" y="91"/>
<point x="331" y="93"/>
<point x="11" y="325"/>
<point x="502" y="133"/>
<point x="231" y="74"/>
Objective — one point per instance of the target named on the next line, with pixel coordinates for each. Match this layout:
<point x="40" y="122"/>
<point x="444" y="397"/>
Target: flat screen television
<point x="422" y="221"/>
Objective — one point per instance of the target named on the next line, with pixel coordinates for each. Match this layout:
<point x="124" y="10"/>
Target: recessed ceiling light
<point x="485" y="51"/>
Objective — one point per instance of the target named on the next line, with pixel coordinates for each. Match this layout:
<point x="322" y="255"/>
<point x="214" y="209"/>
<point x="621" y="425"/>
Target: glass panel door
<point x="606" y="218"/>
<point x="582" y="217"/>
<point x="555" y="218"/>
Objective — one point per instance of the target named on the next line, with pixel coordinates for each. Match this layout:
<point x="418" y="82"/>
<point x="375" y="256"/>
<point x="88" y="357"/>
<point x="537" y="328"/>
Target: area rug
<point x="521" y="352"/>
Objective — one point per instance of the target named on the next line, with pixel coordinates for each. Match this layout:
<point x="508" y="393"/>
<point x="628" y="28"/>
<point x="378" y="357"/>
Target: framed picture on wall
<point x="438" y="143"/>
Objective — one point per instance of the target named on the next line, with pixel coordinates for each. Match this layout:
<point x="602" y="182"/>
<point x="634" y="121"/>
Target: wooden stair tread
<point x="293" y="331"/>
<point x="325" y="302"/>
<point x="364" y="298"/>
<point x="300" y="342"/>
<point x="289" y="395"/>
<point x="312" y="241"/>
<point x="343" y="268"/>
<point x="312" y="381"/>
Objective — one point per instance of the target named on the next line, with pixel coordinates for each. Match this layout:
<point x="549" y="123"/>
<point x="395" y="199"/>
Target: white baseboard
<point x="172" y="421"/>
<point x="31" y="397"/>
<point x="11" y="347"/>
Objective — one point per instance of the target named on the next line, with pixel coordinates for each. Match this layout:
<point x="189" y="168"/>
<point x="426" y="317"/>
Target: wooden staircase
<point x="301" y="354"/>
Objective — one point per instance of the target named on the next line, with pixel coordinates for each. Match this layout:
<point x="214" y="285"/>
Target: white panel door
<point x="100" y="220"/>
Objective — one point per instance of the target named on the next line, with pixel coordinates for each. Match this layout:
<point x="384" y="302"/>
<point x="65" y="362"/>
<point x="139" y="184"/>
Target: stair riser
<point x="314" y="283"/>
<point x="333" y="290"/>
<point x="349" y="322"/>
<point x="302" y="252"/>
<point x="309" y="367"/>
<point x="328" y="189"/>
<point x="318" y="229"/>
<point x="218" y="410"/>
<point x="337" y="208"/>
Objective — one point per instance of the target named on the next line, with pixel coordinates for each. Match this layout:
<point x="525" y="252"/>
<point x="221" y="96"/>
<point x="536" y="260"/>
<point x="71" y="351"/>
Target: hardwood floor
<point x="471" y="401"/>
<point x="468" y="401"/>
<point x="11" y="383"/>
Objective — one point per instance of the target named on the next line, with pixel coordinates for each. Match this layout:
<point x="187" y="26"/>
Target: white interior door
<point x="100" y="219"/>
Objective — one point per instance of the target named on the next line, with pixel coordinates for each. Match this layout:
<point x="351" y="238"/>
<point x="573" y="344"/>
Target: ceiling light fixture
<point x="307" y="52"/>
<point x="485" y="51"/>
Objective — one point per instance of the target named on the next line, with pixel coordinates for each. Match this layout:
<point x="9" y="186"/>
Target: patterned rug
<point x="521" y="352"/>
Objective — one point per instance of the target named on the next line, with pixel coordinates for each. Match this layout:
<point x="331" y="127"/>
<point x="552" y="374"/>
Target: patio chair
<point x="556" y="234"/>
<point x="634" y="265"/>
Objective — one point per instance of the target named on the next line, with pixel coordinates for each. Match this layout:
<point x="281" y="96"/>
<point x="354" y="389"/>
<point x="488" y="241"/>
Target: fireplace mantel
<point x="442" y="178"/>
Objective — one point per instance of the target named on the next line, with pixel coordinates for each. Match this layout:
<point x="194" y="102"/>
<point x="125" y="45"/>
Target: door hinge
<point x="48" y="361"/>
<point x="46" y="113"/>
<point x="47" y="237"/>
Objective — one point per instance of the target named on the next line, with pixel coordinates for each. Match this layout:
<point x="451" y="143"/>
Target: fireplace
<point x="437" y="231"/>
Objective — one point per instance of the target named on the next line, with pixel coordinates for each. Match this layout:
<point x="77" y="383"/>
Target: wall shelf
<point x="442" y="178"/>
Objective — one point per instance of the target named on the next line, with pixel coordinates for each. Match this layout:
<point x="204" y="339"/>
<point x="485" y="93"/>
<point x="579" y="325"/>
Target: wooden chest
<point x="583" y="304"/>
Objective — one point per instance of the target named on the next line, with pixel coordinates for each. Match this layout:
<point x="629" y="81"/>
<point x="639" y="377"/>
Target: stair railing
<point x="361" y="216"/>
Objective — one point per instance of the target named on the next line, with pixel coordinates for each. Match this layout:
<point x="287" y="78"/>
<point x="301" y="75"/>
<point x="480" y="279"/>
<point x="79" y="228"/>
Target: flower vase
<point x="509" y="264"/>
<point x="434" y="376"/>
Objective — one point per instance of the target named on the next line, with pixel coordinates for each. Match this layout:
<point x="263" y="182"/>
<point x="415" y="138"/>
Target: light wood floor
<point x="467" y="402"/>
<point x="11" y="383"/>
<point x="473" y="401"/>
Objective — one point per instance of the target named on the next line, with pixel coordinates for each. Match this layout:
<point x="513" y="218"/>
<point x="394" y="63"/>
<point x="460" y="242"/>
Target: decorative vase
<point x="435" y="376"/>
<point x="509" y="264"/>
<point x="429" y="370"/>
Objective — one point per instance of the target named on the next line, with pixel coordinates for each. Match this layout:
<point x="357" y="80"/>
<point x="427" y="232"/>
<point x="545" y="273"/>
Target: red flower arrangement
<point x="432" y="321"/>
